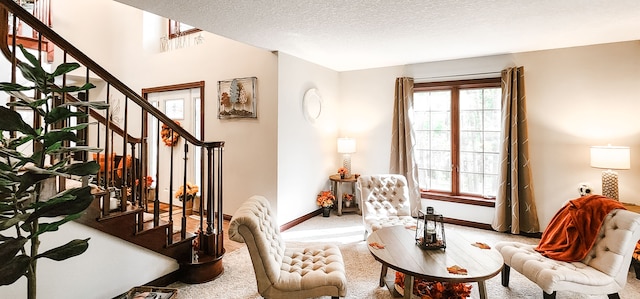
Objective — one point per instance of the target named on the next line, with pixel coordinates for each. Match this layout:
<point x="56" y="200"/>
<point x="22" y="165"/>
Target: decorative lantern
<point x="430" y="230"/>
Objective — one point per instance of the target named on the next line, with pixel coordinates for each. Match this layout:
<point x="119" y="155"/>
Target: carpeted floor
<point x="238" y="280"/>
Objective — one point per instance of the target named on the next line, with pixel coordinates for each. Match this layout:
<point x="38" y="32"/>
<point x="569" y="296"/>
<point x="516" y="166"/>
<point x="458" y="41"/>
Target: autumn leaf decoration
<point x="481" y="245"/>
<point x="455" y="269"/>
<point x="169" y="137"/>
<point x="426" y="289"/>
<point x="376" y="245"/>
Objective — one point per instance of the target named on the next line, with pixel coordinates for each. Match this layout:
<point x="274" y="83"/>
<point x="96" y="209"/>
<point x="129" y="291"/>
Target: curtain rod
<point x="461" y="75"/>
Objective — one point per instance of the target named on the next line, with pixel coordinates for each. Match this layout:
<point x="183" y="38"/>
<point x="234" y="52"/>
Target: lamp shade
<point x="611" y="157"/>
<point x="346" y="145"/>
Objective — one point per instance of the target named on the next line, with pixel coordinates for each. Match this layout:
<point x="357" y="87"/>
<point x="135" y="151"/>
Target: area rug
<point x="238" y="279"/>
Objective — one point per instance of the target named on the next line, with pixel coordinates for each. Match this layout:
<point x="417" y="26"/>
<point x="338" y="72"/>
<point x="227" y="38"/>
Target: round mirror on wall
<point x="312" y="105"/>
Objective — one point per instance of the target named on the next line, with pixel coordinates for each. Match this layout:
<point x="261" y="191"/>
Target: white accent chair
<point x="283" y="272"/>
<point x="385" y="202"/>
<point x="603" y="271"/>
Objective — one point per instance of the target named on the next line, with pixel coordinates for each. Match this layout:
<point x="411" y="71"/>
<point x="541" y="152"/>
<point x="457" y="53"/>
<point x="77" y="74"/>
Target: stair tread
<point x="117" y="213"/>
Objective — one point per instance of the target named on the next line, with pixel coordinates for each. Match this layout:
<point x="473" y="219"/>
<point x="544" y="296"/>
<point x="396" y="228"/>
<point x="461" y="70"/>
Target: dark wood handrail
<point x="52" y="36"/>
<point x="101" y="119"/>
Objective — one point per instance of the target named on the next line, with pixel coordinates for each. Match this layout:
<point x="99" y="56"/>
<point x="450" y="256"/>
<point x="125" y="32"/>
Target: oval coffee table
<point x="401" y="253"/>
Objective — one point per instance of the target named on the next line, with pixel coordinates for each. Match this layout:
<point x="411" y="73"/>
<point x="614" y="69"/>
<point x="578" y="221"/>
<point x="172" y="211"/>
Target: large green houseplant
<point x="25" y="212"/>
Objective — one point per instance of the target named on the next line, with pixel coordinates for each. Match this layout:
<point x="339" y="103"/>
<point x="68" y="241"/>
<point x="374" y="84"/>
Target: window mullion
<point x="455" y="140"/>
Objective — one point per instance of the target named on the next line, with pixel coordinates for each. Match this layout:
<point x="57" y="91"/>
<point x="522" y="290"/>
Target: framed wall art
<point x="237" y="98"/>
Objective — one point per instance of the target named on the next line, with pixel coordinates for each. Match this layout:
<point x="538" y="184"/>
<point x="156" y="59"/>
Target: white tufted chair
<point x="283" y="272"/>
<point x="385" y="201"/>
<point x="603" y="271"/>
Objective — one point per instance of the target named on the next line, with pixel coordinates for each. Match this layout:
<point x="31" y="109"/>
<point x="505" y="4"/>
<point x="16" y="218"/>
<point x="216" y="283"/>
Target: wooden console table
<point x="632" y="207"/>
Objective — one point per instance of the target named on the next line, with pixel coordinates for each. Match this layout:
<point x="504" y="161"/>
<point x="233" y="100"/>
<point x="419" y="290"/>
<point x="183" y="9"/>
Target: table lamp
<point x="610" y="157"/>
<point x="346" y="146"/>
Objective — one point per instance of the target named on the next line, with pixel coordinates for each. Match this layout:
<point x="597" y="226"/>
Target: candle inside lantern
<point x="430" y="234"/>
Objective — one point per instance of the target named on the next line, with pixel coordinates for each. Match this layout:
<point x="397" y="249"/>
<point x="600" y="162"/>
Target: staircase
<point x="136" y="217"/>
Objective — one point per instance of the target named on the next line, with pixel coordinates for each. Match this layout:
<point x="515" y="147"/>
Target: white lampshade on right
<point x="609" y="158"/>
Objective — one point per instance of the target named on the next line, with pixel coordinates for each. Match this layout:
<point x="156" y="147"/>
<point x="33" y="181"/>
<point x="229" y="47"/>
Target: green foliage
<point x="24" y="213"/>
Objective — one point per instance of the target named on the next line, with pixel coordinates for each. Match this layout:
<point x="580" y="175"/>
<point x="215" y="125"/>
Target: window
<point x="177" y="29"/>
<point x="457" y="126"/>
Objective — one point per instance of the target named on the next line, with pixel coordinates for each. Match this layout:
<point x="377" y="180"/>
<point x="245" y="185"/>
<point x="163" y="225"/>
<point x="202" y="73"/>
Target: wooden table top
<point x="336" y="178"/>
<point x="402" y="254"/>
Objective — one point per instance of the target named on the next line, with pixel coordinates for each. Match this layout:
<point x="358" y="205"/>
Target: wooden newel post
<point x="220" y="242"/>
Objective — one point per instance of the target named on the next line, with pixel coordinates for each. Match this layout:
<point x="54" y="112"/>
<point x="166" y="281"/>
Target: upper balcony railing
<point x="27" y="36"/>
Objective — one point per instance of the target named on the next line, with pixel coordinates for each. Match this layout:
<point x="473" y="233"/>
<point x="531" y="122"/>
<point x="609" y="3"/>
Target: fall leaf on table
<point x="411" y="227"/>
<point x="455" y="269"/>
<point x="481" y="245"/>
<point x="376" y="245"/>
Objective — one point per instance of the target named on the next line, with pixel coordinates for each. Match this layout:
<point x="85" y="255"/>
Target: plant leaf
<point x="95" y="105"/>
<point x="75" y="128"/>
<point x="12" y="121"/>
<point x="86" y="86"/>
<point x="77" y="149"/>
<point x="9" y="222"/>
<point x="34" y="74"/>
<point x="16" y="142"/>
<point x="60" y="113"/>
<point x="11" y="270"/>
<point x="69" y="202"/>
<point x="13" y="154"/>
<point x="81" y="169"/>
<point x="50" y="227"/>
<point x="53" y="137"/>
<point x="24" y="99"/>
<point x="7" y="86"/>
<point x="71" y="249"/>
<point x="65" y="68"/>
<point x="10" y="247"/>
<point x="30" y="57"/>
<point x="29" y="179"/>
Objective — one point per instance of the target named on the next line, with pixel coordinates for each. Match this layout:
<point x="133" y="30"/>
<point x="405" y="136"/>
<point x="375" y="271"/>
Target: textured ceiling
<point x="349" y="35"/>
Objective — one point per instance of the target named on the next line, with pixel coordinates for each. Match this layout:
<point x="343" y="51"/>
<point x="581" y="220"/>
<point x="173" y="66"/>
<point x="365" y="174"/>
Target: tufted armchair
<point x="283" y="272"/>
<point x="385" y="201"/>
<point x="603" y="271"/>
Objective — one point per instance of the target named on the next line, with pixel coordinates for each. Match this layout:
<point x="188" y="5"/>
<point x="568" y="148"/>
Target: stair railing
<point x="107" y="133"/>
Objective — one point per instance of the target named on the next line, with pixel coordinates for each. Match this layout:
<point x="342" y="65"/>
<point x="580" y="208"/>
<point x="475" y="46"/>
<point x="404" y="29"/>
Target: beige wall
<point x="577" y="97"/>
<point x="306" y="150"/>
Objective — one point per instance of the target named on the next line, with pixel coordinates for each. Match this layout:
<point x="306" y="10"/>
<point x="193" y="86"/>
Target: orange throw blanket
<point x="573" y="230"/>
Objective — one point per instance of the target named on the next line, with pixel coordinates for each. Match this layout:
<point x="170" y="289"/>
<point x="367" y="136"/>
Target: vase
<point x="342" y="175"/>
<point x="326" y="211"/>
<point x="189" y="205"/>
<point x="347" y="203"/>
